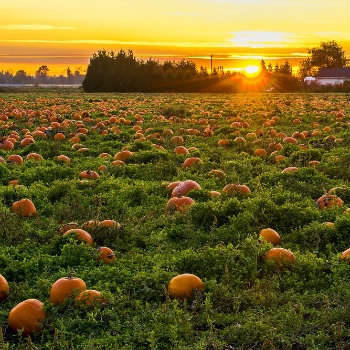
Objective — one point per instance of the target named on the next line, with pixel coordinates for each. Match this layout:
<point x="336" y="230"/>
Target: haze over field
<point x="237" y="32"/>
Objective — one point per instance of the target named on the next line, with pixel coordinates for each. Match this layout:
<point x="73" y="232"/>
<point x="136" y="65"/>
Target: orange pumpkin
<point x="182" y="286"/>
<point x="270" y="236"/>
<point x="15" y="158"/>
<point x="14" y="183"/>
<point x="260" y="152"/>
<point x="218" y="173"/>
<point x="6" y="145"/>
<point x="290" y="140"/>
<point x="69" y="226"/>
<point x="172" y="185"/>
<point x="90" y="224"/>
<point x="289" y="170"/>
<point x="24" y="207"/>
<point x="329" y="201"/>
<point x="63" y="158"/>
<point x="110" y="223"/>
<point x="59" y="137"/>
<point x="123" y="155"/>
<point x="346" y="255"/>
<point x="34" y="156"/>
<point x="105" y="254"/>
<point x="180" y="204"/>
<point x="181" y="150"/>
<point x="89" y="174"/>
<point x="280" y="256"/>
<point x="90" y="297"/>
<point x="4" y="288"/>
<point x="27" y="316"/>
<point x="232" y="189"/>
<point x="64" y="288"/>
<point x="80" y="235"/>
<point x="223" y="142"/>
<point x="192" y="161"/>
<point x="184" y="187"/>
<point x="177" y="140"/>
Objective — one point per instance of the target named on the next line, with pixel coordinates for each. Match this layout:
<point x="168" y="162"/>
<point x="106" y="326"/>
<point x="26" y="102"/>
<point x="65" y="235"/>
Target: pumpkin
<point x="346" y="255"/>
<point x="270" y="235"/>
<point x="34" y="156"/>
<point x="290" y="140"/>
<point x="80" y="235"/>
<point x="184" y="187"/>
<point x="232" y="189"/>
<point x="260" y="152"/>
<point x="4" y="288"/>
<point x="90" y="224"/>
<point x="289" y="170"/>
<point x="89" y="174"/>
<point x="214" y="193"/>
<point x="218" y="173"/>
<point x="63" y="158"/>
<point x="65" y="287"/>
<point x="14" y="183"/>
<point x="27" y="316"/>
<point x="15" y="158"/>
<point x="182" y="286"/>
<point x="329" y="201"/>
<point x="123" y="155"/>
<point x="179" y="204"/>
<point x="223" y="142"/>
<point x="172" y="185"/>
<point x="90" y="297"/>
<point x="66" y="227"/>
<point x="280" y="256"/>
<point x="59" y="137"/>
<point x="24" y="207"/>
<point x="181" y="150"/>
<point x="177" y="140"/>
<point x="26" y="142"/>
<point x="192" y="161"/>
<point x="110" y="223"/>
<point x="6" y="145"/>
<point x="105" y="254"/>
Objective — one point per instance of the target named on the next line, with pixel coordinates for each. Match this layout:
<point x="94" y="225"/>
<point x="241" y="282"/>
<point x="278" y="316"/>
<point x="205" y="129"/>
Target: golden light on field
<point x="251" y="70"/>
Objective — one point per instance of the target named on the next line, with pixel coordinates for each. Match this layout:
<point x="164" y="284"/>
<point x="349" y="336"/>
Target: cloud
<point x="259" y="39"/>
<point x="33" y="27"/>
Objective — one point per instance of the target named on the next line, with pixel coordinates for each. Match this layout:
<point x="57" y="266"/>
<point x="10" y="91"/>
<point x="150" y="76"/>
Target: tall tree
<point x="41" y="74"/>
<point x="329" y="54"/>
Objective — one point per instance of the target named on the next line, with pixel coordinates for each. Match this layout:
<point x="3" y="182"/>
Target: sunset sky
<point x="236" y="32"/>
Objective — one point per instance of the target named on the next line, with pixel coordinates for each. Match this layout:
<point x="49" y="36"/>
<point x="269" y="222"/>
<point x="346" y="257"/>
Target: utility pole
<point x="211" y="64"/>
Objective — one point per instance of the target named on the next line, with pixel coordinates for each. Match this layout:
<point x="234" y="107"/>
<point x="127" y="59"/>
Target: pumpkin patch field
<point x="174" y="221"/>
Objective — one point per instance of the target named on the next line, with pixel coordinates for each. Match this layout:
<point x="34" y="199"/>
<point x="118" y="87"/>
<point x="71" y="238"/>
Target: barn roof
<point x="333" y="73"/>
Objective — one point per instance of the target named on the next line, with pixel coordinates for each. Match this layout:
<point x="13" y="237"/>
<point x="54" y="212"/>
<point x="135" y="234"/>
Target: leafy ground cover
<point x="247" y="302"/>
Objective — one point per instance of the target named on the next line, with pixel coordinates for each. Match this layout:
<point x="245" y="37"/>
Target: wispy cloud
<point x="119" y="42"/>
<point x="260" y="39"/>
<point x="185" y="13"/>
<point x="34" y="27"/>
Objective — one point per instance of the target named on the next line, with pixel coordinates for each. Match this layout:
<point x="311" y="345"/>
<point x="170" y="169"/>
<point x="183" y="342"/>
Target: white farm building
<point x="326" y="76"/>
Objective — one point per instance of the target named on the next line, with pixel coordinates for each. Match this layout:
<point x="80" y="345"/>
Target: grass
<point x="248" y="303"/>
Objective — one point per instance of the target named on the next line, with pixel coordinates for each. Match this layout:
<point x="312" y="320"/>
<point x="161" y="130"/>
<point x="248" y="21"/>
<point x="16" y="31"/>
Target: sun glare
<point x="251" y="70"/>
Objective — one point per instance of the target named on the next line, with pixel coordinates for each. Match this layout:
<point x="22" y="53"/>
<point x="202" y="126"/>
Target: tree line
<point x="122" y="72"/>
<point x="42" y="77"/>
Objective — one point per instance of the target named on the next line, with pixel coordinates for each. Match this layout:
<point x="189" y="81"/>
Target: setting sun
<point x="251" y="70"/>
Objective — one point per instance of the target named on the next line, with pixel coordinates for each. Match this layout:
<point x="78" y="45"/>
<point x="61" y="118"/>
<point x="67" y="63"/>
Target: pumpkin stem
<point x="70" y="276"/>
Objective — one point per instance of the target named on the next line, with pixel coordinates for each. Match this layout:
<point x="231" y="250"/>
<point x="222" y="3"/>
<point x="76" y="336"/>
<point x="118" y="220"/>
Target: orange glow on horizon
<point x="239" y="33"/>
